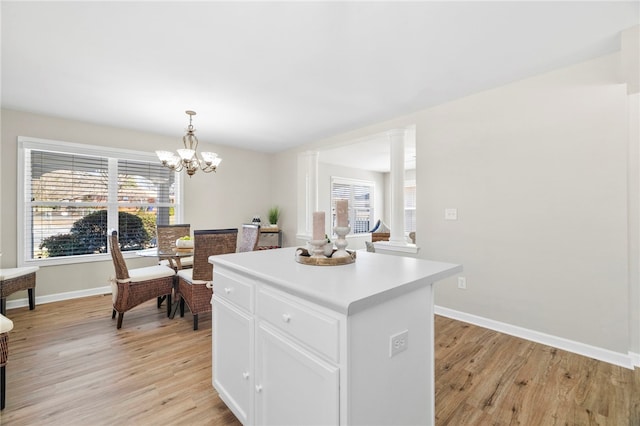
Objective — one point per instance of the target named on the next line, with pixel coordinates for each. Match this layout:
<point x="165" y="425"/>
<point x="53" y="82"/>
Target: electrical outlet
<point x="398" y="342"/>
<point x="451" y="214"/>
<point x="462" y="283"/>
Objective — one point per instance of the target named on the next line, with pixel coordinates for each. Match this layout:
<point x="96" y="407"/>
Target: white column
<point x="396" y="141"/>
<point x="630" y="59"/>
<point x="307" y="192"/>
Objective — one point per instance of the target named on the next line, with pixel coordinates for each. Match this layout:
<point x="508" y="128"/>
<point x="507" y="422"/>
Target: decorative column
<point x="307" y="192"/>
<point x="396" y="141"/>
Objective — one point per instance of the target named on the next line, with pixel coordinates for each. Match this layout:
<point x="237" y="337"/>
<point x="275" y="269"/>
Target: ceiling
<point x="269" y="76"/>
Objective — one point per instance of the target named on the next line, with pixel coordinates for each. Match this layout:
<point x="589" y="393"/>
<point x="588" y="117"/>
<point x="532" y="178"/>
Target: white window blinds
<point x="74" y="193"/>
<point x="410" y="206"/>
<point x="360" y="197"/>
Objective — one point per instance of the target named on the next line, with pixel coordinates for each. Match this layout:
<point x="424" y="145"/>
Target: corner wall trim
<point x="601" y="354"/>
<point x="18" y="303"/>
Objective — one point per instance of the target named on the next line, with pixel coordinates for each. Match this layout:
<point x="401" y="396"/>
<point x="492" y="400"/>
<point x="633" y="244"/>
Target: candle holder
<point x="318" y="248"/>
<point x="341" y="241"/>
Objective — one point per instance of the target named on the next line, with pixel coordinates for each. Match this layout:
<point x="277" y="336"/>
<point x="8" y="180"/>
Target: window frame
<point x="351" y="213"/>
<point x="112" y="155"/>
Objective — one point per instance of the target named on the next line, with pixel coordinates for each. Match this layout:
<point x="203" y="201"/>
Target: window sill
<point x="400" y="248"/>
<point x="62" y="260"/>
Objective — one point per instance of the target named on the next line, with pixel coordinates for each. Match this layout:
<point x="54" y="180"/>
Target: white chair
<point x="249" y="237"/>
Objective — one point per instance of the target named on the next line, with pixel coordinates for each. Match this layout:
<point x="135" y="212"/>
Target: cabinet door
<point x="293" y="386"/>
<point x="232" y="358"/>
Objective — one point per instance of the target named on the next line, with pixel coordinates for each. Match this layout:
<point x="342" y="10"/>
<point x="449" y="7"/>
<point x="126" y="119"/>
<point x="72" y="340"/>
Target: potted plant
<point x="274" y="215"/>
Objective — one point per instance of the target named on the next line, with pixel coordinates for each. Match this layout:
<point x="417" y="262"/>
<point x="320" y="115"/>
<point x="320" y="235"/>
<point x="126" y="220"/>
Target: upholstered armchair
<point x="6" y="325"/>
<point x="16" y="279"/>
<point x="380" y="232"/>
<point x="249" y="237"/>
<point x="131" y="287"/>
<point x="194" y="285"/>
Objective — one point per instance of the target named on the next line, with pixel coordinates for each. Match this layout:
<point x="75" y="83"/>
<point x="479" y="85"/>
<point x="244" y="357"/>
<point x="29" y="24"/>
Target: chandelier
<point x="187" y="158"/>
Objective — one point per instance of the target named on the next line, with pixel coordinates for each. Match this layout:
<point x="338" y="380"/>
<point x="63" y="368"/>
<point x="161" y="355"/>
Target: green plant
<point x="149" y="221"/>
<point x="89" y="235"/>
<point x="274" y="215"/>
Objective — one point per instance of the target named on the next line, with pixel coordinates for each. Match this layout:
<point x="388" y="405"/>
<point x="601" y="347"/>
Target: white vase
<point x="328" y="249"/>
<point x="184" y="243"/>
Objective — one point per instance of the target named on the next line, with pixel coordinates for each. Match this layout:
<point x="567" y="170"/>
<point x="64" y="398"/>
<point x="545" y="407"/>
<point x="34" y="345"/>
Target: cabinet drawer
<point x="234" y="289"/>
<point x="311" y="327"/>
<point x="269" y="239"/>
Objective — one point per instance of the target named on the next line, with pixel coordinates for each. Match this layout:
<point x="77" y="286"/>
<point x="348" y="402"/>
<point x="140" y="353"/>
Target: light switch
<point x="451" y="214"/>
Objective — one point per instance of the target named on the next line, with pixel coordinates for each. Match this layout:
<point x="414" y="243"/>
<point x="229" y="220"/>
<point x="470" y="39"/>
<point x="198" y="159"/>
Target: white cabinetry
<point x="233" y="328"/>
<point x="232" y="358"/>
<point x="293" y="386"/>
<point x="297" y="344"/>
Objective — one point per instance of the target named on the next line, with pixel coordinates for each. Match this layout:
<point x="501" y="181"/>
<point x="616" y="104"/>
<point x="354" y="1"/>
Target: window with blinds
<point x="409" y="206"/>
<point x="360" y="197"/>
<point x="74" y="193"/>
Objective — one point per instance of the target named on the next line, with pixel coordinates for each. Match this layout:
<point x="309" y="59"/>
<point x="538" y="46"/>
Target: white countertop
<point x="371" y="279"/>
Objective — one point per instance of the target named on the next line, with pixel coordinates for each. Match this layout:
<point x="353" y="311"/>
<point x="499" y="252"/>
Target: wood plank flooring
<point x="69" y="365"/>
<point x="488" y="378"/>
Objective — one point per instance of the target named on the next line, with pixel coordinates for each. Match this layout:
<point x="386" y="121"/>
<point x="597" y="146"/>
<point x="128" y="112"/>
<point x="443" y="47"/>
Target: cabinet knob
<point x="286" y="317"/>
<point x="258" y="388"/>
<point x="245" y="375"/>
<point x="227" y="290"/>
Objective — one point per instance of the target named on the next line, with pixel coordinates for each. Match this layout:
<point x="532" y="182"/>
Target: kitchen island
<point x="302" y="344"/>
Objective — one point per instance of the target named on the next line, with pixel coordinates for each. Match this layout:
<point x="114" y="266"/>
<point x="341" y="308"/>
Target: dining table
<point x="173" y="256"/>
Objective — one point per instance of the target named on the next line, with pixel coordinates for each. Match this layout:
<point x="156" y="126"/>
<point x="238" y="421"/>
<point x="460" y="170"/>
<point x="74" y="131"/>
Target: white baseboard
<point x="628" y="361"/>
<point x="18" y="303"/>
<point x="606" y="355"/>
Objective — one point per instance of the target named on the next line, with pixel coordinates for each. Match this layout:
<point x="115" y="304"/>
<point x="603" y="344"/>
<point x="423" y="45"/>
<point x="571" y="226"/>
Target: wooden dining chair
<point x="131" y="287"/>
<point x="249" y="237"/>
<point x="194" y="285"/>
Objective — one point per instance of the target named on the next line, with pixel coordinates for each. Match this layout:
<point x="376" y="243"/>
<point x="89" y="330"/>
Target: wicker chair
<point x="249" y="237"/>
<point x="132" y="287"/>
<point x="16" y="279"/>
<point x="6" y="325"/>
<point x="194" y="285"/>
<point x="167" y="236"/>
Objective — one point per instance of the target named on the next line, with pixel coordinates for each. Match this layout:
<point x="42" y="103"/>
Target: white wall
<point x="538" y="172"/>
<point x="241" y="188"/>
<point x="634" y="223"/>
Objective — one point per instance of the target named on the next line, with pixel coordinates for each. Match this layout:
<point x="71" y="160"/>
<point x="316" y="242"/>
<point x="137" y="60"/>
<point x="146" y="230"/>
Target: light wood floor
<point x="69" y="365"/>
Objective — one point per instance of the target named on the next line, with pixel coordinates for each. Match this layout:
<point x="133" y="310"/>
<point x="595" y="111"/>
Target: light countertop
<point x="371" y="279"/>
